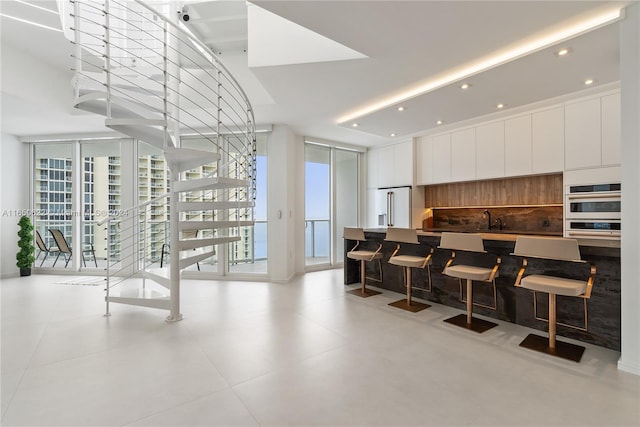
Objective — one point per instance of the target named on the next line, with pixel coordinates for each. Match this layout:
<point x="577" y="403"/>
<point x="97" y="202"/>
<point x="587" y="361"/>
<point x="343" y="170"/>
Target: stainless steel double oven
<point x="593" y="211"/>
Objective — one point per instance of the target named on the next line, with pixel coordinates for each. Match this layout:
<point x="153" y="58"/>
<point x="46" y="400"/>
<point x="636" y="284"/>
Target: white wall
<point x="14" y="195"/>
<point x="38" y="98"/>
<point x="630" y="135"/>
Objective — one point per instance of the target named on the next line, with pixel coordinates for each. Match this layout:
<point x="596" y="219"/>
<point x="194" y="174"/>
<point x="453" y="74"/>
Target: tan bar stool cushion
<point x="408" y="261"/>
<point x="554" y="285"/>
<point x="462" y="271"/>
<point x="364" y="255"/>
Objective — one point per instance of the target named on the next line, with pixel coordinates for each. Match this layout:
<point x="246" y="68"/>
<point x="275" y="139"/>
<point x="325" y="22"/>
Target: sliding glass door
<point x="345" y="209"/>
<point x="331" y="202"/>
<point x="317" y="220"/>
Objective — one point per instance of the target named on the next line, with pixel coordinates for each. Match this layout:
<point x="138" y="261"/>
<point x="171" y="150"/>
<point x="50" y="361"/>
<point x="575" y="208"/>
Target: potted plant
<point x="25" y="243"/>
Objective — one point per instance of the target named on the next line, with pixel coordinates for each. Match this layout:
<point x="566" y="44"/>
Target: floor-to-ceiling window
<point x="53" y="202"/>
<point x="78" y="183"/>
<point x="101" y="196"/>
<point x="331" y="201"/>
<point x="153" y="183"/>
<point x="249" y="254"/>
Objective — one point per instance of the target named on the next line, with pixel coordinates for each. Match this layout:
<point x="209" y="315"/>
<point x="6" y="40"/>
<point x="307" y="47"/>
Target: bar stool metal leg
<point x="467" y="320"/>
<point x="549" y="345"/>
<point x="406" y="303"/>
<point x="363" y="291"/>
<point x="469" y="301"/>
<point x="552" y="321"/>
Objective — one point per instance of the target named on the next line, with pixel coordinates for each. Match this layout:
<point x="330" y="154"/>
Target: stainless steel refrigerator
<point x="393" y="207"/>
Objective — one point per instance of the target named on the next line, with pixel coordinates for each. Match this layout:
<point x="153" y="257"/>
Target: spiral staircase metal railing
<point x="154" y="81"/>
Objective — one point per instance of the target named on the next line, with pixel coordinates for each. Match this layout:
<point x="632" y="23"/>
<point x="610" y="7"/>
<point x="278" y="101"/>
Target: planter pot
<point x="25" y="272"/>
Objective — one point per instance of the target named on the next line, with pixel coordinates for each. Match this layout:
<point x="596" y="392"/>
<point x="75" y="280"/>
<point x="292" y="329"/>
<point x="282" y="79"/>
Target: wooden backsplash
<point x="522" y="191"/>
<point x="538" y="219"/>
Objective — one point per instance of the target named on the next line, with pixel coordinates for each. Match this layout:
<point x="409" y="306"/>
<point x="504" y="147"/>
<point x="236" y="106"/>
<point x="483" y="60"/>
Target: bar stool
<point x="559" y="249"/>
<point x="409" y="235"/>
<point x="363" y="256"/>
<point x="468" y="242"/>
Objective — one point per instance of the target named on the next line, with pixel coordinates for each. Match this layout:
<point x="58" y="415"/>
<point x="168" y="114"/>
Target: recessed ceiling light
<point x="562" y="52"/>
<point x="400" y="108"/>
<point x="500" y="106"/>
<point x="355" y="125"/>
<point x="465" y="86"/>
<point x="487" y="62"/>
<point x="439" y="122"/>
<point x="393" y="134"/>
<point x="588" y="82"/>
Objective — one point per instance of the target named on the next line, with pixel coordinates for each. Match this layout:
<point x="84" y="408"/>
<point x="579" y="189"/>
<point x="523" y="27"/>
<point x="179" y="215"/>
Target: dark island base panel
<point x="515" y="305"/>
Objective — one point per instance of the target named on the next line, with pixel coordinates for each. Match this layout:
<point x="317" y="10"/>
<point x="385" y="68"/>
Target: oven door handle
<point x="595" y="196"/>
<point x="593" y="234"/>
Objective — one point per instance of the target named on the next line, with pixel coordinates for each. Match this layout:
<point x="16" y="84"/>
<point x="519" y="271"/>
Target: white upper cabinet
<point x="424" y="154"/>
<point x="441" y="160"/>
<point x="547" y="130"/>
<point x="372" y="168"/>
<point x="463" y="155"/>
<point x="403" y="164"/>
<point x="611" y="129"/>
<point x="592" y="134"/>
<point x="390" y="166"/>
<point x="518" y="146"/>
<point x="583" y="134"/>
<point x="490" y="151"/>
<point x="578" y="134"/>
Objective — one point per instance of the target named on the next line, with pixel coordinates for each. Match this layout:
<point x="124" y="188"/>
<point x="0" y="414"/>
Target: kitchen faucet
<point x="499" y="222"/>
<point x="487" y="214"/>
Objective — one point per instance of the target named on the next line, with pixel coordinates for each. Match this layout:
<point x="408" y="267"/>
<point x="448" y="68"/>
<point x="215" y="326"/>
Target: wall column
<point x="630" y="136"/>
<point x="281" y="212"/>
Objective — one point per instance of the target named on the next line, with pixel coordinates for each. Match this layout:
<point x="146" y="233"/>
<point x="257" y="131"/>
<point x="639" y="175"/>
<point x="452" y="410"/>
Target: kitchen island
<point x="514" y="305"/>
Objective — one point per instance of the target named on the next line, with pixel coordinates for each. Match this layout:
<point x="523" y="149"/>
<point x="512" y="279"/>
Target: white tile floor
<point x="302" y="353"/>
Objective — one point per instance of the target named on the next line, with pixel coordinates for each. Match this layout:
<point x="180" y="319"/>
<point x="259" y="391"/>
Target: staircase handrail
<point x="217" y="63"/>
<point x="141" y="205"/>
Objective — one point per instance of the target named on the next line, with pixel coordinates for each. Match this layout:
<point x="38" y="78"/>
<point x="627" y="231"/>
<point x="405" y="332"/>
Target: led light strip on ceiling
<point x="492" y="61"/>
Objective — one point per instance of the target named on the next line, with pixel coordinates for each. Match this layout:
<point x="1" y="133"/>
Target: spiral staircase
<point x="155" y="82"/>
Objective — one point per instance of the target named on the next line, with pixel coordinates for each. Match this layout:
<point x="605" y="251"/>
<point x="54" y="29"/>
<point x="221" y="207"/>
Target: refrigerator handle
<point x="390" y="208"/>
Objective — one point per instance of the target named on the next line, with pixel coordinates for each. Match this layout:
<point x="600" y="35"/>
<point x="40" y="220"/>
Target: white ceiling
<point x="405" y="44"/>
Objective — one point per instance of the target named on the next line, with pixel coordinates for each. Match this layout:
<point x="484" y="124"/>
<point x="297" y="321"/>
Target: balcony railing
<point x="317" y="238"/>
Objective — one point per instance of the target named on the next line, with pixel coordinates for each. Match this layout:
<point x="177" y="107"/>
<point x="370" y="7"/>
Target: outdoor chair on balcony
<point x="65" y="250"/>
<point x="43" y="248"/>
